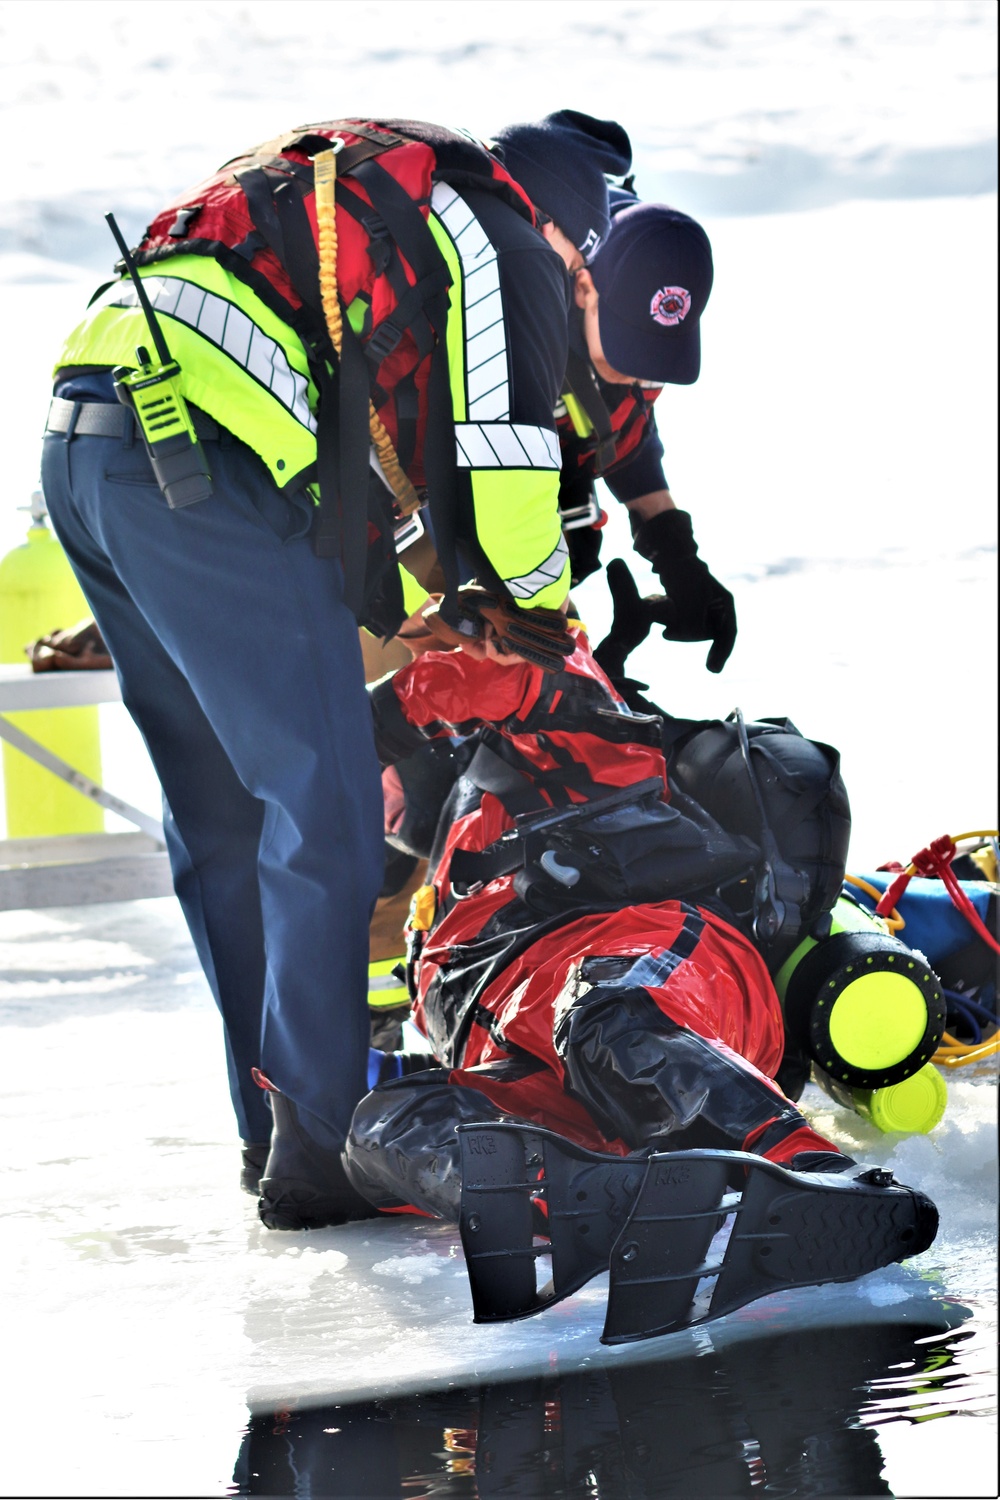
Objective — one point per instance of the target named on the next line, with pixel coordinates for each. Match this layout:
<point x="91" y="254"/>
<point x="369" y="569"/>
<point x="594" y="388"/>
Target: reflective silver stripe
<point x="487" y="387"/>
<point x="226" y="326"/>
<point x="549" y="571"/>
<point x="505" y="445"/>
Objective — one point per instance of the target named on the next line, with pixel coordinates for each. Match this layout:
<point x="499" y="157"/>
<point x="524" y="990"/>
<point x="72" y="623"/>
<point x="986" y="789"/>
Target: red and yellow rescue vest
<point x="232" y="264"/>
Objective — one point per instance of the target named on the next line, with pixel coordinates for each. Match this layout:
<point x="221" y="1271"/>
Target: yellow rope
<point x="894" y="921"/>
<point x="325" y="165"/>
<point x="955" y="1054"/>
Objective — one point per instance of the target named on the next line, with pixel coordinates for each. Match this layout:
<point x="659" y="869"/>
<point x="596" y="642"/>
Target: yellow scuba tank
<point x="869" y="1014"/>
<point x="39" y="593"/>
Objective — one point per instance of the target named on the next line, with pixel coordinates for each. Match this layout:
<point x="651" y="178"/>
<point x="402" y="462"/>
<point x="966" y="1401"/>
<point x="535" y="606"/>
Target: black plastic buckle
<point x="383" y="341"/>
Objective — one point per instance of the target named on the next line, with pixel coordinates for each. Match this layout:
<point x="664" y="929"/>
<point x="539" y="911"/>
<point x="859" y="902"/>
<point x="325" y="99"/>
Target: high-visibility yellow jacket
<point x="240" y="312"/>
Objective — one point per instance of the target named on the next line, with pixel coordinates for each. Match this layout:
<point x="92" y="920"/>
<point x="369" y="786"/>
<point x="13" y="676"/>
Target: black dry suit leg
<point x="649" y="1081"/>
<point x="654" y="1223"/>
<point x="402" y="1147"/>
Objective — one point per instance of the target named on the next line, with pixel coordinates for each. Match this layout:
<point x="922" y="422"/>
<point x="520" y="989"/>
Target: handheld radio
<point x="153" y="393"/>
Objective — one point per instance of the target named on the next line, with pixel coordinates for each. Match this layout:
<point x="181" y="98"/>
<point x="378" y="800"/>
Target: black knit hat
<point x="654" y="277"/>
<point x="560" y="162"/>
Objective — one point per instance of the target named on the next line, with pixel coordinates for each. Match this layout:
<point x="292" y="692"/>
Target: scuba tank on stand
<point x="39" y="593"/>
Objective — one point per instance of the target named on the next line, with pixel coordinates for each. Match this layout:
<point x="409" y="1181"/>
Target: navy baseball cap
<point x="654" y="277"/>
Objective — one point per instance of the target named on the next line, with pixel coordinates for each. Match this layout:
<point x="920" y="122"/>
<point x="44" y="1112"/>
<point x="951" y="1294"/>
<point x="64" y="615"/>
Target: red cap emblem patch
<point x="670" y="306"/>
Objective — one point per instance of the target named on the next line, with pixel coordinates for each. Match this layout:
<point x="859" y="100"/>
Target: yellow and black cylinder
<point x="912" y="1107"/>
<point x="861" y="1005"/>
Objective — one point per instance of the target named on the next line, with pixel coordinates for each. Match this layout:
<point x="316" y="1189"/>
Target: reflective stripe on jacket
<point x="239" y="361"/>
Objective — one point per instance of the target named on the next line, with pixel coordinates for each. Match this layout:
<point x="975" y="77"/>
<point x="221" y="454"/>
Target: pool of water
<point x="840" y="1412"/>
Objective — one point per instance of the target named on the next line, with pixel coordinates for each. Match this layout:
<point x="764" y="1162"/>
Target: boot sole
<point x="290" y="1205"/>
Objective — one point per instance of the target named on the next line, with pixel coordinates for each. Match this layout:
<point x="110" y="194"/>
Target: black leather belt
<point x="104" y="419"/>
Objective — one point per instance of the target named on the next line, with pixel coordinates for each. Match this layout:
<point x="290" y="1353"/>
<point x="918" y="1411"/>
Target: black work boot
<point x="254" y="1156"/>
<point x="304" y="1185"/>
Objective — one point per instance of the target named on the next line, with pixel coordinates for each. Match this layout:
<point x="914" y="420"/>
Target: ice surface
<point x="147" y="1306"/>
<point x="838" y="455"/>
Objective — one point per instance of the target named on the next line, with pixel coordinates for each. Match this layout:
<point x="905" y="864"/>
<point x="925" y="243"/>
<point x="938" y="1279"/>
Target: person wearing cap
<point x="566" y="155"/>
<point x="641" y="284"/>
<point x="640" y="306"/>
<point x="283" y="333"/>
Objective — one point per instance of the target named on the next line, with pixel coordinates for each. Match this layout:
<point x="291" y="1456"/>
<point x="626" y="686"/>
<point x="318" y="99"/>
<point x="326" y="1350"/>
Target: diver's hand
<point x="630" y="624"/>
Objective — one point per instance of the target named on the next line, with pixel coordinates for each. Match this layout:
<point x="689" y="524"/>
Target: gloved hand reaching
<point x="696" y="606"/>
<point x="482" y="616"/>
<point x="630" y="624"/>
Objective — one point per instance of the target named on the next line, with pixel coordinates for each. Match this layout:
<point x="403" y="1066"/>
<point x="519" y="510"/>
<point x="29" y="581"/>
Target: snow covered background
<point x="838" y="457"/>
<point x="838" y="451"/>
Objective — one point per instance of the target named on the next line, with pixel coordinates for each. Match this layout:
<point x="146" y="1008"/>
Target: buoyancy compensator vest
<point x="763" y="780"/>
<point x="618" y="847"/>
<point x="257" y="217"/>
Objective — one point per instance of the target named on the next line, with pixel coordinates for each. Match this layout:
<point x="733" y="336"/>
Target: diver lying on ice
<point x="590" y="964"/>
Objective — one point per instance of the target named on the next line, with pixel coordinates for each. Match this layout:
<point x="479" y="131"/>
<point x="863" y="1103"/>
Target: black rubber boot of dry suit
<point x="304" y="1185"/>
<point x="254" y="1155"/>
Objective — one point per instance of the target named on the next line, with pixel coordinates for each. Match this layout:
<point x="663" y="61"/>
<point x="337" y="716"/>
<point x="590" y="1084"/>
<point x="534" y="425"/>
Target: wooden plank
<point x="132" y="877"/>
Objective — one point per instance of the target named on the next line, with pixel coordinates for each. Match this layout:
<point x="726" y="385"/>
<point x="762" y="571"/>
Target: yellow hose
<point x="325" y="165"/>
<point x="894" y="922"/>
<point x="955" y="1054"/>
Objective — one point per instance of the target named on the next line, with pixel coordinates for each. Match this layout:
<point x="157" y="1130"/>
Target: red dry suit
<point x="655" y="1022"/>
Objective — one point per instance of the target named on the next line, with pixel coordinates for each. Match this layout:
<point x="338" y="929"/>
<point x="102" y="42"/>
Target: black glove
<point x="696" y="607"/>
<point x="630" y="625"/>
<point x="584" y="546"/>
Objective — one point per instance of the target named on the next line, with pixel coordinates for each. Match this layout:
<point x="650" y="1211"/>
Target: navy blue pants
<point x="241" y="667"/>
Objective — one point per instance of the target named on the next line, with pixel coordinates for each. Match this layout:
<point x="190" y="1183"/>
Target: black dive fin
<point x="520" y="1182"/>
<point x="653" y="1221"/>
<point x="807" y="1228"/>
<point x="789" y="1229"/>
<point x="660" y="1256"/>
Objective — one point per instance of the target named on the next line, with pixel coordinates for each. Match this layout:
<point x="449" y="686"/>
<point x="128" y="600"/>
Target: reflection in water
<point x="788" y="1415"/>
